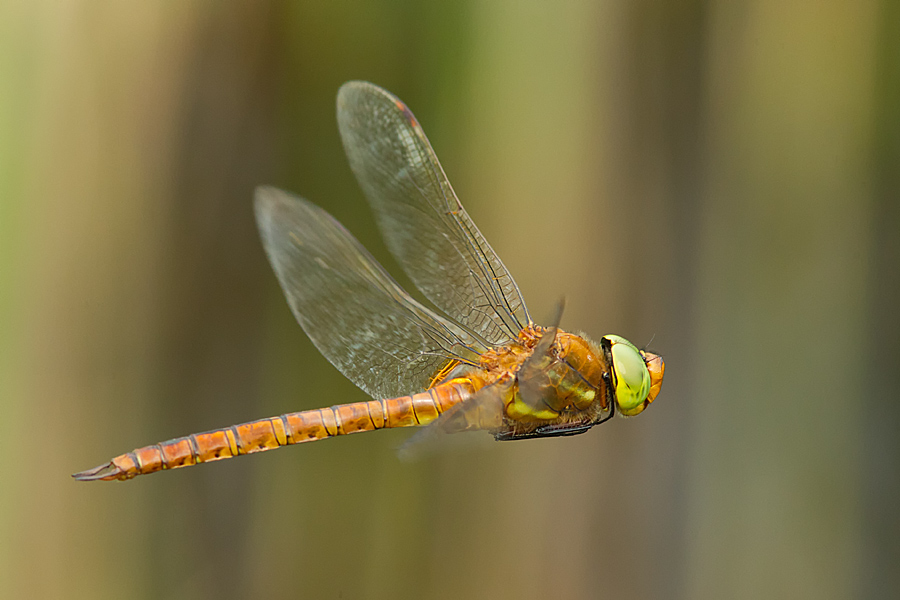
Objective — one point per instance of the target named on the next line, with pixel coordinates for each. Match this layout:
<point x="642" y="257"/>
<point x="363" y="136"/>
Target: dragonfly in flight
<point x="478" y="363"/>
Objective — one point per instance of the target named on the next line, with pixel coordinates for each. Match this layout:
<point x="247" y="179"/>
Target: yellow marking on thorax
<point x="443" y="373"/>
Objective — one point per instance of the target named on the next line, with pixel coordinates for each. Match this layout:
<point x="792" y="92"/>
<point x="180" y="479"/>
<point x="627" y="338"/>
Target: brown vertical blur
<point x="783" y="289"/>
<point x="716" y="180"/>
<point x="135" y="279"/>
<point x="880" y="476"/>
<point x="211" y="299"/>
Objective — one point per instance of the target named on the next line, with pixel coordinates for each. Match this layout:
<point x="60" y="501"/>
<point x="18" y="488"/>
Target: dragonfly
<point x="475" y="362"/>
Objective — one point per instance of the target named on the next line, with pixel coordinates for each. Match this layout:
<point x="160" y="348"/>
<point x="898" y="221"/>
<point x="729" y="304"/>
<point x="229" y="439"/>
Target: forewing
<point x="353" y="311"/>
<point x="423" y="223"/>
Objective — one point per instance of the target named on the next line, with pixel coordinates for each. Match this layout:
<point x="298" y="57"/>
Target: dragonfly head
<point x="636" y="375"/>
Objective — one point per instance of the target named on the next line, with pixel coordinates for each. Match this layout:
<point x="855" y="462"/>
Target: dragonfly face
<point x="474" y="361"/>
<point x="637" y="375"/>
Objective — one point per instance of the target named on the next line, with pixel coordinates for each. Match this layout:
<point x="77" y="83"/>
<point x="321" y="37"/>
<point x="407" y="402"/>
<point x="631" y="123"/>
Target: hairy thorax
<point x="561" y="384"/>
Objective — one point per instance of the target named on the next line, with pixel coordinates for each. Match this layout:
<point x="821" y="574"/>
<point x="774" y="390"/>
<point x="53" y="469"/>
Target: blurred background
<point x="717" y="180"/>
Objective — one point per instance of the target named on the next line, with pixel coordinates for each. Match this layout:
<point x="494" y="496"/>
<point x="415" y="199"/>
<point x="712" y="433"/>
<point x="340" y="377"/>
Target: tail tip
<point x="105" y="472"/>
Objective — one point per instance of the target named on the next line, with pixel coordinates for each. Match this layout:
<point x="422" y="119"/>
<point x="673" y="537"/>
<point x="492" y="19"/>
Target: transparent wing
<point x="353" y="311"/>
<point x="534" y="374"/>
<point x="482" y="412"/>
<point x="423" y="223"/>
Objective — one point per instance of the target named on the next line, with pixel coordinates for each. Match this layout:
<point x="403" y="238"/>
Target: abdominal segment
<point x="284" y="430"/>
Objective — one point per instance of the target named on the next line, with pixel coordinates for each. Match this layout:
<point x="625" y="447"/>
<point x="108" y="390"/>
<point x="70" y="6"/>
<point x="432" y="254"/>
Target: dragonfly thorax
<point x="564" y="381"/>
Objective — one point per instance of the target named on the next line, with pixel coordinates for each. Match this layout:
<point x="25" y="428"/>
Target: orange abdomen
<point x="293" y="428"/>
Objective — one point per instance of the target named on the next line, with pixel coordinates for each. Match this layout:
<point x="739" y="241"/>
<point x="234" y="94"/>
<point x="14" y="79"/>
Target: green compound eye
<point x="632" y="379"/>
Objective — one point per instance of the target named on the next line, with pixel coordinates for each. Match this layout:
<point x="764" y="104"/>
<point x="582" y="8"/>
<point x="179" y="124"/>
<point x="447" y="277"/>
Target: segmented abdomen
<point x="293" y="428"/>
